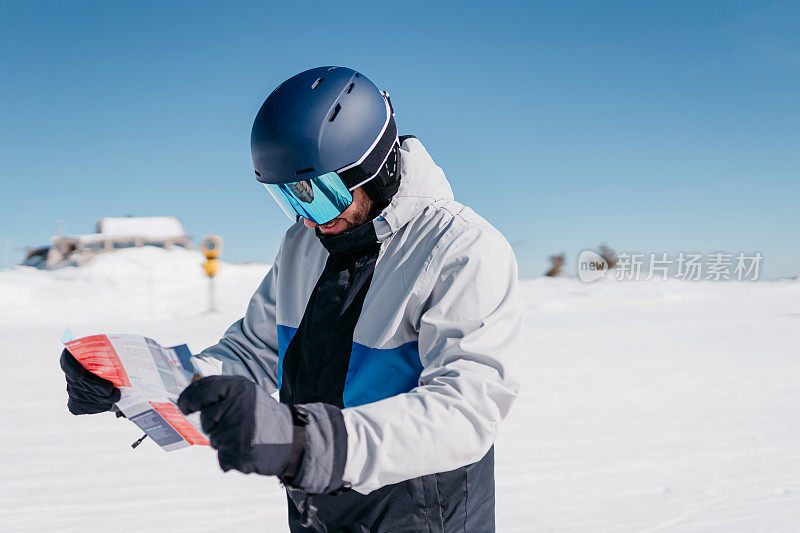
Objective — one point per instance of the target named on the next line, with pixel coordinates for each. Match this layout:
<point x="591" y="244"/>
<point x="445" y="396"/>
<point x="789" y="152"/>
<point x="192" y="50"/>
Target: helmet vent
<point x="335" y="112"/>
<point x="257" y="173"/>
<point x="316" y="83"/>
<point x="350" y="88"/>
<point x="304" y="171"/>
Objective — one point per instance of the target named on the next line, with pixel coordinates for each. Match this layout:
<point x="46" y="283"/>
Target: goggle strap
<point x="361" y="173"/>
<point x="378" y="171"/>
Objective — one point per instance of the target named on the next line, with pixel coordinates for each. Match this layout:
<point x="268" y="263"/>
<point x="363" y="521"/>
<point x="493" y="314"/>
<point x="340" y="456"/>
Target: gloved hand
<point x="88" y="393"/>
<point x="306" y="445"/>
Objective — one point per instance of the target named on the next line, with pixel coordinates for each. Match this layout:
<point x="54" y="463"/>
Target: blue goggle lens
<point x="319" y="199"/>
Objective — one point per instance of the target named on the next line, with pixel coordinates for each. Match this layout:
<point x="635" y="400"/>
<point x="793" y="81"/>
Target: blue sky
<point x="653" y="126"/>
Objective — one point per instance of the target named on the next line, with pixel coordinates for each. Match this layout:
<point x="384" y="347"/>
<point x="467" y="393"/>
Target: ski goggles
<point x="319" y="199"/>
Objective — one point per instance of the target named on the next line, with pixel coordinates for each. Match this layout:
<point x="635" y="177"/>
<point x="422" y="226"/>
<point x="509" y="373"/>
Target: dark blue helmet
<point x="327" y="119"/>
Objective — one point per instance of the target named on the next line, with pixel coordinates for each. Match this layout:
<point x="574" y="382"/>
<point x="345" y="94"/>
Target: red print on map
<point x="97" y="355"/>
<point x="175" y="419"/>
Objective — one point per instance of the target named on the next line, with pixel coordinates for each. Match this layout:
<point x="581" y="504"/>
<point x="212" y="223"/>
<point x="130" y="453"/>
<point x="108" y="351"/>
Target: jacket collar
<point x="422" y="183"/>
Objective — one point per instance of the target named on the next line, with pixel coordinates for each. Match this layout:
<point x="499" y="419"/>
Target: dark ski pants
<point x="461" y="500"/>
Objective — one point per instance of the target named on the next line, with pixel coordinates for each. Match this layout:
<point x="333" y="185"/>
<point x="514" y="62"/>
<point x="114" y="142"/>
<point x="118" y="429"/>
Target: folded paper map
<point x="150" y="378"/>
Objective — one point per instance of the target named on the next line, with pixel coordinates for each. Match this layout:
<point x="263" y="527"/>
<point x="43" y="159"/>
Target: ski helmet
<point x="321" y="134"/>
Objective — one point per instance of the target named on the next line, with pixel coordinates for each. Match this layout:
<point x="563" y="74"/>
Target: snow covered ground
<point x="646" y="406"/>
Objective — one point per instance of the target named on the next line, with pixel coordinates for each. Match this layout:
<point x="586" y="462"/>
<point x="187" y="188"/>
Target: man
<point x="389" y="323"/>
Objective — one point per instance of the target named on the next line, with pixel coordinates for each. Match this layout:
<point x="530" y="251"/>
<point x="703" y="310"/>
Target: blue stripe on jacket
<point x="372" y="374"/>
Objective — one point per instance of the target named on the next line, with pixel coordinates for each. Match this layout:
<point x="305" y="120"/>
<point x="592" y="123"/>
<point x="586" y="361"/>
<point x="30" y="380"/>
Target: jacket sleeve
<point x="470" y="323"/>
<point x="249" y="347"/>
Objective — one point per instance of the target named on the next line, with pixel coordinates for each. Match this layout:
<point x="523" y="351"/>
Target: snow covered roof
<point x="153" y="227"/>
<point x="130" y="228"/>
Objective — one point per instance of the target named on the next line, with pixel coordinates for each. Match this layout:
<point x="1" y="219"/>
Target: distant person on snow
<point x="390" y="324"/>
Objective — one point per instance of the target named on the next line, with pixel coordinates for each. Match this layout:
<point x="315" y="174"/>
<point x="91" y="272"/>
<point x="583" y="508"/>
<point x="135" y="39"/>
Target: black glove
<point x="88" y="393"/>
<point x="305" y="445"/>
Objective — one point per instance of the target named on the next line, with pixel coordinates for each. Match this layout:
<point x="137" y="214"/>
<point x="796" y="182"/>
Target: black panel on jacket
<point x="316" y="360"/>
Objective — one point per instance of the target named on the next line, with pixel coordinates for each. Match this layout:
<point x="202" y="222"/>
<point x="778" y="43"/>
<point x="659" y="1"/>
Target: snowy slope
<point x="646" y="406"/>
